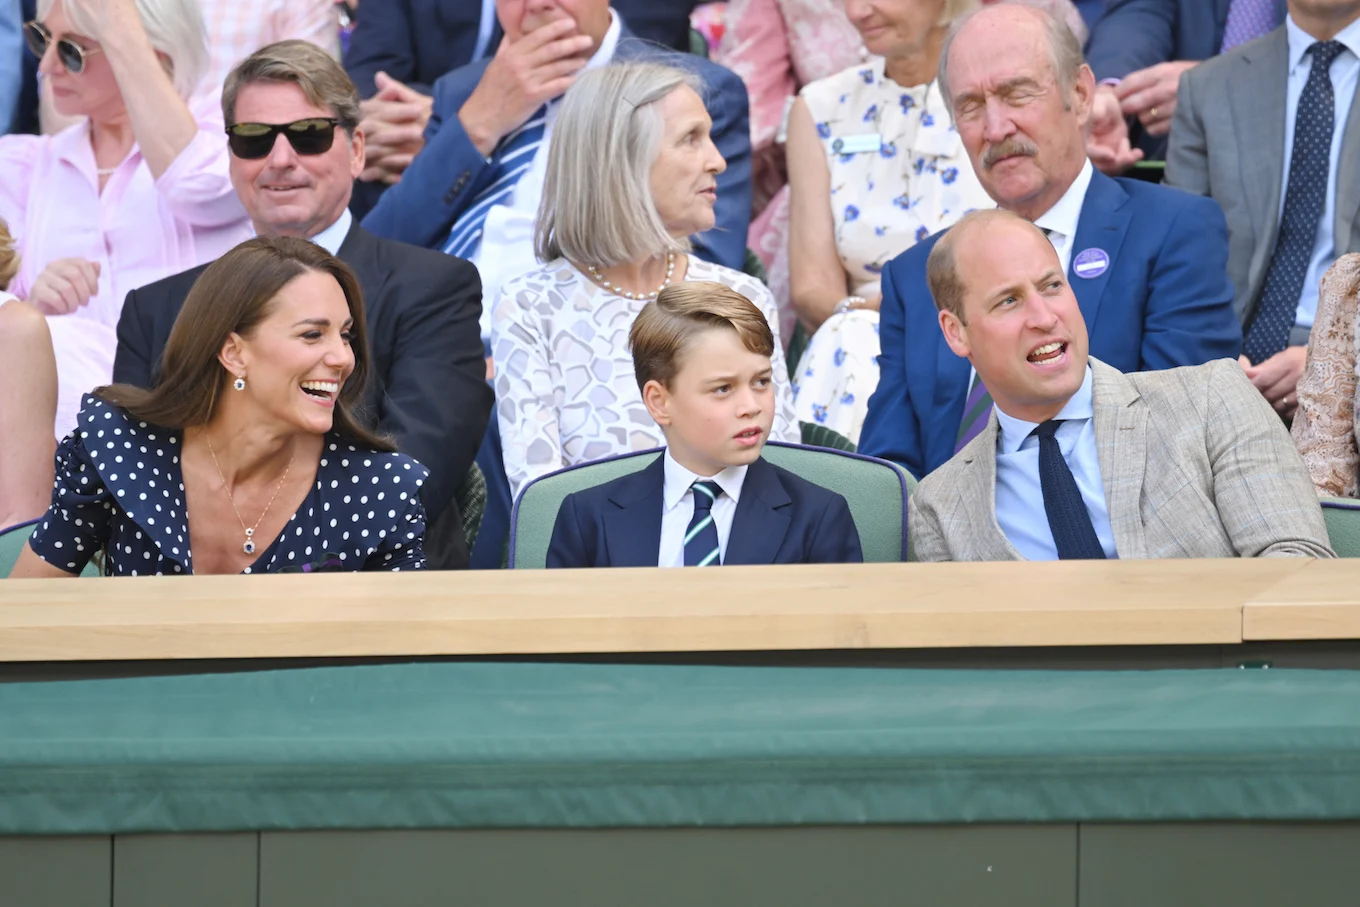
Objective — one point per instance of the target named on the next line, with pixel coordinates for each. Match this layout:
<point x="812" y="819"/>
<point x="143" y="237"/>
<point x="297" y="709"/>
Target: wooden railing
<point x="870" y="606"/>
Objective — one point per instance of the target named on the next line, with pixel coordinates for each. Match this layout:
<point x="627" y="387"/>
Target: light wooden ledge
<point x="1321" y="602"/>
<point x="632" y="611"/>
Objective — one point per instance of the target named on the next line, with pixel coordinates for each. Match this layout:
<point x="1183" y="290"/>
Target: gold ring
<point x="1153" y="113"/>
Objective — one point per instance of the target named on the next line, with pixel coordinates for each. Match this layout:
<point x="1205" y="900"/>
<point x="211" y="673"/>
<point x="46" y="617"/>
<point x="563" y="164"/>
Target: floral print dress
<point x="899" y="173"/>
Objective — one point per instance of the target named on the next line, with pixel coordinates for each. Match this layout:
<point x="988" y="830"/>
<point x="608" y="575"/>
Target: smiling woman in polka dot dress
<point x="246" y="456"/>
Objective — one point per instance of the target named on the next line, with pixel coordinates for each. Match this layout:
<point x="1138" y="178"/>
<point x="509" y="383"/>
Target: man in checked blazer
<point x="1079" y="460"/>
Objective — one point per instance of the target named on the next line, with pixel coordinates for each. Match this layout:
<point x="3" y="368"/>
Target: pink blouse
<point x="139" y="229"/>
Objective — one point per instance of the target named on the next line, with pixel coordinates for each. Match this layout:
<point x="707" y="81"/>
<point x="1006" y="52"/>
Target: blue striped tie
<point x="701" y="538"/>
<point x="511" y="160"/>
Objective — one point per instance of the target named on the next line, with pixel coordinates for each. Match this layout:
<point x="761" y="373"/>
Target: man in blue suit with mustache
<point x="1148" y="264"/>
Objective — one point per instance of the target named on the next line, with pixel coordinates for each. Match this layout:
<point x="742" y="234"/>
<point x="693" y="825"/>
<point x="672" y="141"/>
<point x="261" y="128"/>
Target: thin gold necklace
<point x="249" y="546"/>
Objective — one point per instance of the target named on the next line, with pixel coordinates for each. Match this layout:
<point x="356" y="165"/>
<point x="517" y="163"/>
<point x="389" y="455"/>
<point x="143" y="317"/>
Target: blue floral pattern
<point x="918" y="182"/>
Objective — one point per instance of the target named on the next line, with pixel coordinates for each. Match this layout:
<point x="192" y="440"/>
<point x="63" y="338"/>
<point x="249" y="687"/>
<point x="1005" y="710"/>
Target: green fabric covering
<point x="471" y="496"/>
<point x="450" y="745"/>
<point x="815" y="435"/>
<point x="871" y="488"/>
<point x="1343" y="525"/>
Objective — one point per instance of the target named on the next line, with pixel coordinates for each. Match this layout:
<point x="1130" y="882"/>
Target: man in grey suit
<point x="1271" y="131"/>
<point x="1079" y="460"/>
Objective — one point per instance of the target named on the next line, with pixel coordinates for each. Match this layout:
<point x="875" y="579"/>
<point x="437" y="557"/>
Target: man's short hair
<point x="942" y="274"/>
<point x="323" y="81"/>
<point x="1063" y="48"/>
<point x="597" y="207"/>
<point x="662" y="330"/>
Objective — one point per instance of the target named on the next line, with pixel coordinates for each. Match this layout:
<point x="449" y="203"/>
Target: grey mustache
<point x="1008" y="148"/>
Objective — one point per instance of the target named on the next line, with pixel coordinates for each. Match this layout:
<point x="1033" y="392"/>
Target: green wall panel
<point x="1242" y="865"/>
<point x="184" y="870"/>
<point x="1014" y="866"/>
<point x="55" y="872"/>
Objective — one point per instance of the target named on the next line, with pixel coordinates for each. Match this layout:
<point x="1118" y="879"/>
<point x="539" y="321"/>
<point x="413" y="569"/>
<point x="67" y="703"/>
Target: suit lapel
<point x="1256" y="102"/>
<point x="632" y="531"/>
<point x="977" y="498"/>
<point x="1347" y="228"/>
<point x="762" y="518"/>
<point x="952" y="377"/>
<point x="1103" y="224"/>
<point x="1121" y="448"/>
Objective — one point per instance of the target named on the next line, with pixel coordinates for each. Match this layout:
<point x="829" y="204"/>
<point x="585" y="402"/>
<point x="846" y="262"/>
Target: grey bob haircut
<point x="597" y="207"/>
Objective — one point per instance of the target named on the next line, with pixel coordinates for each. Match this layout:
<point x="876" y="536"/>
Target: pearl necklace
<point x="620" y="291"/>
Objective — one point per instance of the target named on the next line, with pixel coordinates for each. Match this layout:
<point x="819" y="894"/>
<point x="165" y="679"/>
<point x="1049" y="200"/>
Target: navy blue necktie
<point x="511" y="160"/>
<point x="1073" y="534"/>
<point x="1304" y="201"/>
<point x="701" y="538"/>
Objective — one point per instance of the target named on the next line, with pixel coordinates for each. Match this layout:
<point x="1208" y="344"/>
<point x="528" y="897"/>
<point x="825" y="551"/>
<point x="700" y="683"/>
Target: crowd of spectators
<point x="495" y="191"/>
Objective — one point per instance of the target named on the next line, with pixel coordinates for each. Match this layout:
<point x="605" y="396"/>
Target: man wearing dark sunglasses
<point x="292" y="117"/>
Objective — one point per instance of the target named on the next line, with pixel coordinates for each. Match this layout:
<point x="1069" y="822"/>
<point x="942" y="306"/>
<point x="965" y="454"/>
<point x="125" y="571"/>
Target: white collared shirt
<point x="333" y="236"/>
<point x="1345" y="72"/>
<point x="507" y="246"/>
<point x="1019" y="494"/>
<point x="677" y="508"/>
<point x="1061" y="220"/>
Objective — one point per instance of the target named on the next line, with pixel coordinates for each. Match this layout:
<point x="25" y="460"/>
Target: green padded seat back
<point x="13" y="541"/>
<point x="1343" y="525"/>
<point x="875" y="490"/>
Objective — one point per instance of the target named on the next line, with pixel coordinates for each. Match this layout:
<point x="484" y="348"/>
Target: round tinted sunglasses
<point x="71" y="54"/>
<point x="256" y="140"/>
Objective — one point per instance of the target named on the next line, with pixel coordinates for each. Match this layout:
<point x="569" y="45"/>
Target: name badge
<point x="857" y="144"/>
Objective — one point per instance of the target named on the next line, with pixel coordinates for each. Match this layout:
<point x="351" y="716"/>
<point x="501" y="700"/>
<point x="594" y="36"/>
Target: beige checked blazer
<point x="1194" y="462"/>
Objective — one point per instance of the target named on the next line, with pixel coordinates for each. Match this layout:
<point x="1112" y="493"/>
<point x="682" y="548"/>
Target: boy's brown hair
<point x="662" y="330"/>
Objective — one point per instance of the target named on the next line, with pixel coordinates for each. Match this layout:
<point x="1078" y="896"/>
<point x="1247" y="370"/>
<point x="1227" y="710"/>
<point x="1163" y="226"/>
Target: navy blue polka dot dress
<point x="119" y="487"/>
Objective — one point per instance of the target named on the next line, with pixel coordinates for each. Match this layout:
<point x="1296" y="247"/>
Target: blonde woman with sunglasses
<point x="137" y="190"/>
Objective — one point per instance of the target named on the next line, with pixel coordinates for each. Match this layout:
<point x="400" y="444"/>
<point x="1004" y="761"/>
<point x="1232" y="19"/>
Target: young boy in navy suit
<point x="701" y="352"/>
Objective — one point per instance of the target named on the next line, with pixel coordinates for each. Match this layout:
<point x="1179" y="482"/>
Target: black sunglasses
<point x="252" y="141"/>
<point x="71" y="54"/>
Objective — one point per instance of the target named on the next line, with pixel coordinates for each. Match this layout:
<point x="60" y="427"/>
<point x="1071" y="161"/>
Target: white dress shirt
<point x="507" y="246"/>
<point x="331" y="238"/>
<point x="1061" y="220"/>
<point x="1019" y="493"/>
<point x="678" y="508"/>
<point x="1344" y="71"/>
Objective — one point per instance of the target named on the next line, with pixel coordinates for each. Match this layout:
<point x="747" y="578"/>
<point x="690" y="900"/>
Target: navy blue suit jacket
<point x="417" y="41"/>
<point x="1164" y="301"/>
<point x="780" y="519"/>
<point x="1136" y="34"/>
<point x="447" y="174"/>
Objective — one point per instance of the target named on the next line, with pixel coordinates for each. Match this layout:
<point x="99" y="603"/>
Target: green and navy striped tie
<point x="701" y="538"/>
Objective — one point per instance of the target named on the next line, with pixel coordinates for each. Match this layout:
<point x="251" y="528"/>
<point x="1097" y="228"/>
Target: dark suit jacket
<point x="1165" y="300"/>
<point x="417" y="41"/>
<point x="428" y="386"/>
<point x="446" y="176"/>
<point x="1136" y="34"/>
<point x="780" y="519"/>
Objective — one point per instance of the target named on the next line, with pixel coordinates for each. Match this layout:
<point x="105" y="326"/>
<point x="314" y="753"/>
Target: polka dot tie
<point x="1247" y="21"/>
<point x="701" y="538"/>
<point x="1305" y="199"/>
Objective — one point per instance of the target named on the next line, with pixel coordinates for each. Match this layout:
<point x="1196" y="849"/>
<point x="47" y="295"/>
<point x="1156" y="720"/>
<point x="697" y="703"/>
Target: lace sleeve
<point x="1324" y="427"/>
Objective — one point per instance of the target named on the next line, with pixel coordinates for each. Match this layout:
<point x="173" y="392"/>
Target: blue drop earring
<point x="239" y="383"/>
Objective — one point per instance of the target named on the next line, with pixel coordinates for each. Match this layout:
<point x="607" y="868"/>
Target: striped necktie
<point x="511" y="160"/>
<point x="701" y="538"/>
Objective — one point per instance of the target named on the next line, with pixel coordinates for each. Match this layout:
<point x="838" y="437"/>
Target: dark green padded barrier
<point x="450" y="745"/>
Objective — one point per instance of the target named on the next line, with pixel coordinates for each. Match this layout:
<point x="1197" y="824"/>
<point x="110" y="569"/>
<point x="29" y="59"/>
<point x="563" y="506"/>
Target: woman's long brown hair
<point x="234" y="295"/>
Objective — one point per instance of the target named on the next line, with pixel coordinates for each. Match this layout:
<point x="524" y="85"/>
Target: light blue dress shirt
<point x="1019" y="496"/>
<point x="1345" y="71"/>
<point x="11" y="62"/>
